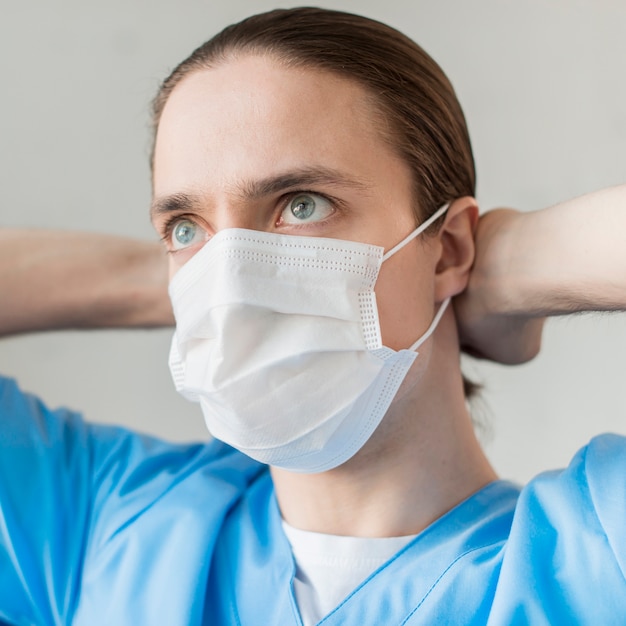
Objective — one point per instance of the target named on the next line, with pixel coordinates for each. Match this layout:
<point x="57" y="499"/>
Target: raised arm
<point x="53" y="280"/>
<point x="567" y="258"/>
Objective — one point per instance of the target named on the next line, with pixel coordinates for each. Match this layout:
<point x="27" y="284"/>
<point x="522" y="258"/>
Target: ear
<point x="456" y="243"/>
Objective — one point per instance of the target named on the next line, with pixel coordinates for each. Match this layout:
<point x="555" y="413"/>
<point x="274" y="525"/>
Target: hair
<point x="422" y="118"/>
<point x="419" y="114"/>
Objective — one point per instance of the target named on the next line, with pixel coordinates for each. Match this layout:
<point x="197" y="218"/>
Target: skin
<point x="80" y="280"/>
<point x="250" y="119"/>
<point x="564" y="259"/>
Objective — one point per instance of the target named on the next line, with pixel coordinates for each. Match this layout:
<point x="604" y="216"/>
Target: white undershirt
<point x="330" y="567"/>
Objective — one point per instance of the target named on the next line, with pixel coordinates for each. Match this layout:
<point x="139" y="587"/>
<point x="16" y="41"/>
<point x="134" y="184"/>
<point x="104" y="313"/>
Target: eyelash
<point x="168" y="226"/>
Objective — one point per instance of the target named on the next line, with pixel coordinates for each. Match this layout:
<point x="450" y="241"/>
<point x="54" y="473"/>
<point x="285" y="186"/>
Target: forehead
<point x="252" y="115"/>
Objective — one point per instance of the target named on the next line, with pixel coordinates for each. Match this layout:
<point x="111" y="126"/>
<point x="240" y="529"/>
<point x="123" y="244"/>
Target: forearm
<point x="53" y="280"/>
<point x="567" y="258"/>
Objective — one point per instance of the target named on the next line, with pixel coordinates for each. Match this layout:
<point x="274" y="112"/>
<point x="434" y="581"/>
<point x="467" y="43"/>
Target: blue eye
<point x="302" y="208"/>
<point x="186" y="233"/>
<point x="305" y="208"/>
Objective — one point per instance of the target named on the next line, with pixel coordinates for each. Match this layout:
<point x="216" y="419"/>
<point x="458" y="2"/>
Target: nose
<point x="238" y="214"/>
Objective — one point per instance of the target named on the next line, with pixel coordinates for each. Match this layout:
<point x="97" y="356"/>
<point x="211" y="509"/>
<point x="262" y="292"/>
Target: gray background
<point x="542" y="84"/>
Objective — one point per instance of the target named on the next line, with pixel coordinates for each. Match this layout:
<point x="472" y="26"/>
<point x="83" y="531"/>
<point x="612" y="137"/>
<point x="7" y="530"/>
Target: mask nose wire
<point x="418" y="231"/>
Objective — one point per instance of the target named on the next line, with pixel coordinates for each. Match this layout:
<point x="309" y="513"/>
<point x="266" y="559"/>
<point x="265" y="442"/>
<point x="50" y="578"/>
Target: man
<point x="252" y="180"/>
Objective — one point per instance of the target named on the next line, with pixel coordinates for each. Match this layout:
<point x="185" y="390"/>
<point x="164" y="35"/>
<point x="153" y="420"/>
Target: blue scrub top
<point x="99" y="525"/>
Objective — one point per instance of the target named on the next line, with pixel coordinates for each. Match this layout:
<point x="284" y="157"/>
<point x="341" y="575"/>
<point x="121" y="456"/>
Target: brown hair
<point x="423" y="118"/>
<point x="420" y="115"/>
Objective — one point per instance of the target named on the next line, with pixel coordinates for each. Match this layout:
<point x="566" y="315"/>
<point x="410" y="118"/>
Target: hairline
<point x="380" y="111"/>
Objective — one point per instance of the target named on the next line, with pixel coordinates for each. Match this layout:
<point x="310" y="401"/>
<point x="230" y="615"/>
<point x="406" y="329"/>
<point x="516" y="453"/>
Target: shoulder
<point x="591" y="489"/>
<point x="102" y="499"/>
<point x="587" y="500"/>
<point x="127" y="458"/>
<point x="565" y="558"/>
<point x="137" y="478"/>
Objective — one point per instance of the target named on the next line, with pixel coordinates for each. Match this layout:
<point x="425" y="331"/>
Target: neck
<point x="423" y="460"/>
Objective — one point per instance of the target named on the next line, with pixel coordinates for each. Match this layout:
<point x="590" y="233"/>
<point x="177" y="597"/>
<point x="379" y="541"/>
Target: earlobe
<point x="456" y="241"/>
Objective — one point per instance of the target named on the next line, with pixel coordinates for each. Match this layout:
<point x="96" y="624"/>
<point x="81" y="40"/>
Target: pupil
<point x="302" y="208"/>
<point x="184" y="232"/>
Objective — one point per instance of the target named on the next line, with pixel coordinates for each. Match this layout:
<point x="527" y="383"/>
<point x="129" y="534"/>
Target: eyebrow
<point x="181" y="202"/>
<point x="256" y="189"/>
<point x="253" y="190"/>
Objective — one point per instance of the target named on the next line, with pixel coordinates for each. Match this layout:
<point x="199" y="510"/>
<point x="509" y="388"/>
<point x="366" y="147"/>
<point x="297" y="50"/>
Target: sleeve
<point x="45" y="470"/>
<point x="69" y="491"/>
<point x="606" y="476"/>
<point x="565" y="559"/>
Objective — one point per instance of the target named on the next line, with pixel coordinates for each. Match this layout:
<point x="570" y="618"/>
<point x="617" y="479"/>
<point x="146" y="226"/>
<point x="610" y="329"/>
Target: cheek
<point x="405" y="298"/>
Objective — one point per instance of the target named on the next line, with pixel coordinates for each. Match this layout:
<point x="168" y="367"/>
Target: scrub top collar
<point x="257" y="569"/>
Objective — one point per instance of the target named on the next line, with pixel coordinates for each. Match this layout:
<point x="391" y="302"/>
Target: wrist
<point x="496" y="276"/>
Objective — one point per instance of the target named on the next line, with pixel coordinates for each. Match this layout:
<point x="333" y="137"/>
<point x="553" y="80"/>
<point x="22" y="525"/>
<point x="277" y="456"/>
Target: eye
<point x="185" y="233"/>
<point x="306" y="207"/>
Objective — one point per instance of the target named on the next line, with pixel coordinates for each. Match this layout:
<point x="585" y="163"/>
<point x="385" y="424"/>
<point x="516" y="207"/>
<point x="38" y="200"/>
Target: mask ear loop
<point x="433" y="325"/>
<point x="418" y="231"/>
<point x="444" y="305"/>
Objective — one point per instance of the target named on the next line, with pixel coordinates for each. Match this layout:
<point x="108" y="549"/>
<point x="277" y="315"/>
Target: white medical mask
<point x="279" y="341"/>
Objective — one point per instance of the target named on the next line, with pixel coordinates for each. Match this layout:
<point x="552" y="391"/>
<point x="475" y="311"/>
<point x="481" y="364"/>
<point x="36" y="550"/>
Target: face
<point x="254" y="144"/>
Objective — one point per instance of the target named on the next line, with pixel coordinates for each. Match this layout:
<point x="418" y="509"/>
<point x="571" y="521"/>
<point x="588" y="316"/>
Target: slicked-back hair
<point x="420" y="116"/>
